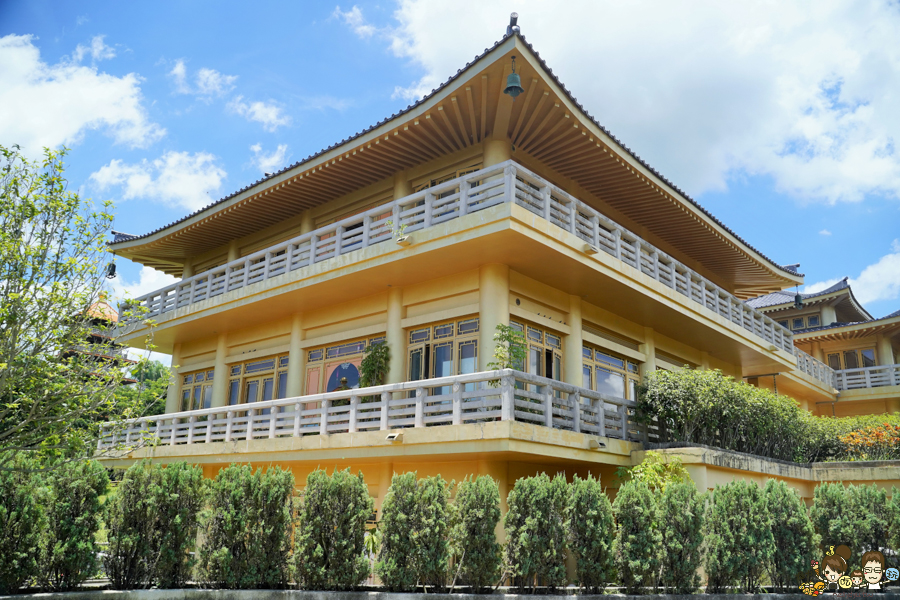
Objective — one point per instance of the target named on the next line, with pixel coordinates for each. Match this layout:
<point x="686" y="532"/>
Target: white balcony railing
<point x="815" y="368"/>
<point x="452" y="400"/>
<point x="869" y="377"/>
<point x="505" y="182"/>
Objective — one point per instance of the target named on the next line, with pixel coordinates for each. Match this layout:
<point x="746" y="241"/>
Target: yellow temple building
<point x="468" y="210"/>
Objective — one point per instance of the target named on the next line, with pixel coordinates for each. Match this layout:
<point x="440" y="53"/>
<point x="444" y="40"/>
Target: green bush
<point x="329" y="548"/>
<point x="130" y="514"/>
<point x="592" y="530"/>
<point x="738" y="537"/>
<point x="636" y="548"/>
<point x="474" y="537"/>
<point x="831" y="514"/>
<point x="432" y="537"/>
<point x="859" y="516"/>
<point x="68" y="547"/>
<point x="247" y="528"/>
<point x="21" y="521"/>
<point x="793" y="536"/>
<point x="536" y="531"/>
<point x="178" y="495"/>
<point x="680" y="521"/>
<point x="400" y="515"/>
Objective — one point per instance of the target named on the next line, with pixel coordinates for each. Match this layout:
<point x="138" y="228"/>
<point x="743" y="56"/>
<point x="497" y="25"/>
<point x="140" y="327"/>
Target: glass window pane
<point x="535" y="335"/>
<point x="467" y="327"/>
<point x="868" y="357"/>
<point x="813" y="320"/>
<point x="535" y="360"/>
<point x="268" y="389"/>
<point x="610" y="382"/>
<point x="197" y="399"/>
<point x="198" y="377"/>
<point x="517" y="326"/>
<point x="415" y="364"/>
<point x="467" y="357"/>
<point x="283" y="361"/>
<point x="609" y="360"/>
<point x="632" y="389"/>
<point x="377" y="340"/>
<point x="345" y="349"/>
<point x="234" y="392"/>
<point x="557" y="367"/>
<point x="851" y="361"/>
<point x="282" y="385"/>
<point x="236" y="370"/>
<point x="346" y="371"/>
<point x="784" y="324"/>
<point x="443" y="360"/>
<point x="587" y="353"/>
<point x="633" y="367"/>
<point x="186" y="400"/>
<point x="251" y="391"/>
<point x="834" y="361"/>
<point x="797" y="323"/>
<point x="260" y="365"/>
<point x="443" y="331"/>
<point x="420" y="335"/>
<point x="553" y="341"/>
<point x="586" y="377"/>
<point x="207" y="396"/>
<point x="315" y="355"/>
<point x="188" y="379"/>
<point x="210" y="375"/>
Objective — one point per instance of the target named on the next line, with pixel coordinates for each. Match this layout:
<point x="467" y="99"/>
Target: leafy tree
<point x="150" y="390"/>
<point x="68" y="547"/>
<point x="592" y="530"/>
<point x="474" y="537"/>
<point x="738" y="535"/>
<point x="247" y="528"/>
<point x="374" y="366"/>
<point x="22" y="519"/>
<point x="52" y="258"/>
<point x="509" y="349"/>
<point x="636" y="548"/>
<point x="680" y="520"/>
<point x="130" y="515"/>
<point x="873" y="517"/>
<point x="831" y="514"/>
<point x="793" y="536"/>
<point x="178" y="493"/>
<point x="656" y="470"/>
<point x="400" y="522"/>
<point x="331" y="535"/>
<point x="536" y="531"/>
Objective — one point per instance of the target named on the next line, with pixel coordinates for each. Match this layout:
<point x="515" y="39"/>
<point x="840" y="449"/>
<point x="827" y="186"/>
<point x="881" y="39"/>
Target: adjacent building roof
<point x="788" y="297"/>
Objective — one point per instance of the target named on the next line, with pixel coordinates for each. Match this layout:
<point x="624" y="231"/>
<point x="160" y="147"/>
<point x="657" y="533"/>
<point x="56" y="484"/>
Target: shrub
<point x="21" y="521"/>
<point x="68" y="547"/>
<point x="536" y="531"/>
<point x="130" y="514"/>
<point x="636" y="548"/>
<point x="831" y="514"/>
<point x="247" y="528"/>
<point x="680" y="521"/>
<point x="738" y="535"/>
<point x="592" y="530"/>
<point x="330" y="535"/>
<point x="474" y="537"/>
<point x="794" y="537"/>
<point x="879" y="442"/>
<point x="179" y="494"/>
<point x="656" y="470"/>
<point x="396" y="564"/>
<point x="432" y="539"/>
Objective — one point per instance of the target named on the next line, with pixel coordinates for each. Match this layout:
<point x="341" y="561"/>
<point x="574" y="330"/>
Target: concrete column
<point x="234" y="252"/>
<point x="499" y="472"/>
<point x="306" y="223"/>
<point x="817" y="351"/>
<point x="828" y="315"/>
<point x="883" y="351"/>
<point x="698" y="476"/>
<point x="384" y="483"/>
<point x="649" y="349"/>
<point x="220" y="381"/>
<point x="493" y="307"/>
<point x="573" y="343"/>
<point x="892" y="405"/>
<point x="704" y="360"/>
<point x="188" y="269"/>
<point x="402" y="187"/>
<point x="296" y="358"/>
<point x="496" y="150"/>
<point x="396" y="336"/>
<point x="173" y="392"/>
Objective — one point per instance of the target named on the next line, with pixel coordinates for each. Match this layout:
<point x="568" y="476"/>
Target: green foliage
<point x="178" y="492"/>
<point x="831" y="514"/>
<point x="793" y="536"/>
<point x="21" y="521"/>
<point x="636" y="548"/>
<point x="656" y="470"/>
<point x="130" y="515"/>
<point x="400" y="521"/>
<point x="592" y="530"/>
<point x="474" y="537"/>
<point x="53" y="397"/>
<point x="374" y="366"/>
<point x="331" y="533"/>
<point x="509" y="349"/>
<point x="432" y="537"/>
<point x="247" y="527"/>
<point x="536" y="531"/>
<point x="680" y="521"/>
<point x="859" y="516"/>
<point x="149" y="392"/>
<point x="738" y="536"/>
<point x="68" y="547"/>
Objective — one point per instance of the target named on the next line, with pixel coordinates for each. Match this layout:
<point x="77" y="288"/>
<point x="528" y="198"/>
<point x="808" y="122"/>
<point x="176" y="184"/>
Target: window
<point x="336" y="367"/>
<point x="443" y="350"/>
<point x="812" y="321"/>
<point x="258" y="380"/>
<point x="784" y="324"/>
<point x="797" y="323"/>
<point x="543" y="351"/>
<point x="852" y="359"/>
<point x="196" y="390"/>
<point x="608" y="373"/>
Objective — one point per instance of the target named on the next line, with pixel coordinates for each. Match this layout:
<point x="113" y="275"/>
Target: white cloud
<point x="802" y="93"/>
<point x="878" y="281"/>
<point x="268" y="114"/>
<point x="268" y="163"/>
<point x="208" y="83"/>
<point x="50" y="105"/>
<point x="97" y="50"/>
<point x="355" y="20"/>
<point x="180" y="179"/>
<point x="825" y="232"/>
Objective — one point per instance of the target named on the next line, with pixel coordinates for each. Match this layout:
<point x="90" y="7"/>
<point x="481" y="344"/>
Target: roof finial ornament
<point x="512" y="27"/>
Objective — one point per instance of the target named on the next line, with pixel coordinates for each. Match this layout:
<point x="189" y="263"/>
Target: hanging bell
<point x="513" y="82"/>
<point x="111" y="270"/>
<point x="798" y="300"/>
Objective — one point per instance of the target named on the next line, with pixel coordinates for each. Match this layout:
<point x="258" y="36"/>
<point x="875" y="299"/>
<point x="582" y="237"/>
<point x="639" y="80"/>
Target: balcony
<point x="869" y="377"/>
<point x="505" y="395"/>
<point x="503" y="183"/>
<point x="816" y="369"/>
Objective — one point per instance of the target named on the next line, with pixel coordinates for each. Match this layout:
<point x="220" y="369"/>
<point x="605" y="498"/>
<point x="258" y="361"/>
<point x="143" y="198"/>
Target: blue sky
<point x="779" y="119"/>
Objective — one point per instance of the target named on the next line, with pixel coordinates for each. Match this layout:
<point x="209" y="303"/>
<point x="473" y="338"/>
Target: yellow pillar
<point x="499" y="472"/>
<point x="173" y="392"/>
<point x="496" y="150"/>
<point x="649" y="349"/>
<point x="704" y="360"/>
<point x="396" y="336"/>
<point x="234" y="252"/>
<point x="384" y="483"/>
<point x="698" y="476"/>
<point x="220" y="381"/>
<point x="188" y="269"/>
<point x="296" y="358"/>
<point x="493" y="307"/>
<point x="306" y="223"/>
<point x="885" y="353"/>
<point x="402" y="187"/>
<point x="828" y="315"/>
<point x="572" y="354"/>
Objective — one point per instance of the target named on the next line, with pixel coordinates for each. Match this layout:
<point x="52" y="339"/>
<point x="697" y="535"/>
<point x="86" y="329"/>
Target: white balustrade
<point x="869" y="377"/>
<point x="505" y="395"/>
<point x="816" y="369"/>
